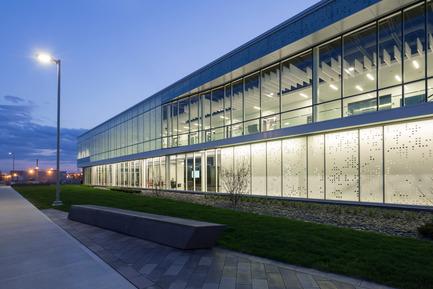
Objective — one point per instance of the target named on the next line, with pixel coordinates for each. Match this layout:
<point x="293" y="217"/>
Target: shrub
<point x="130" y="191"/>
<point x="426" y="230"/>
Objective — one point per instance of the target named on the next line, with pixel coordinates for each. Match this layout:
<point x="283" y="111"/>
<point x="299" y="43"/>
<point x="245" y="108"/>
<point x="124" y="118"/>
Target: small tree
<point x="157" y="183"/>
<point x="235" y="181"/>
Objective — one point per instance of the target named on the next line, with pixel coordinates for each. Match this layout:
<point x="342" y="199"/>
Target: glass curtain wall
<point x="382" y="65"/>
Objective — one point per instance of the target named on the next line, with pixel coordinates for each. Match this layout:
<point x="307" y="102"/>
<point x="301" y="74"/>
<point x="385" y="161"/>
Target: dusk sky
<point x="114" y="54"/>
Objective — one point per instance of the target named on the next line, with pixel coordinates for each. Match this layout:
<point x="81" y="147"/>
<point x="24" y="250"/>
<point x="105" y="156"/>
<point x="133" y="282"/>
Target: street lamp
<point x="13" y="165"/>
<point x="47" y="58"/>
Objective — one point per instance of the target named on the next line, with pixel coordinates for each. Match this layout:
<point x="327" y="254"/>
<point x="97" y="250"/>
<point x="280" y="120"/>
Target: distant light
<point x="256" y="107"/>
<point x="31" y="171"/>
<point x="351" y="69"/>
<point x="406" y="88"/>
<point x="369" y="95"/>
<point x="370" y="76"/>
<point x="271" y="94"/>
<point x="303" y="95"/>
<point x="287" y="123"/>
<point x="186" y="127"/>
<point x="222" y="117"/>
<point x="359" y="88"/>
<point x="333" y="87"/>
<point x="398" y="78"/>
<point x="44" y="57"/>
<point x="415" y="63"/>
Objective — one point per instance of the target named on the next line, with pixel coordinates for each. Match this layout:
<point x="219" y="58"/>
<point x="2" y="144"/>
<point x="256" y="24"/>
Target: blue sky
<point x="114" y="54"/>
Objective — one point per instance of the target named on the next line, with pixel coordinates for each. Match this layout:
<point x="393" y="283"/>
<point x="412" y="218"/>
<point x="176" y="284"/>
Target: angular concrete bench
<point x="171" y="231"/>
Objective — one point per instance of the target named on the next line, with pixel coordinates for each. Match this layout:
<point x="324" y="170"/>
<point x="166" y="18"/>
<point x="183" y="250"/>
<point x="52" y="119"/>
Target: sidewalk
<point x="36" y="253"/>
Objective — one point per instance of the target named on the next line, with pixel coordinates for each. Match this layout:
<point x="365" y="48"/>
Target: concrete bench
<point x="171" y="231"/>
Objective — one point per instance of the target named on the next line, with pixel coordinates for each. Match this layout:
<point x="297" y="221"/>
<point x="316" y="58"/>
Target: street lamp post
<point x="47" y="58"/>
<point x="13" y="166"/>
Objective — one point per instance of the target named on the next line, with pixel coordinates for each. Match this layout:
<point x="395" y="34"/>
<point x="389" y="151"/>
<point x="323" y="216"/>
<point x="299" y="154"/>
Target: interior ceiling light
<point x="351" y="69"/>
<point x="303" y="95"/>
<point x="359" y="88"/>
<point x="256" y="107"/>
<point x="370" y="76"/>
<point x="415" y="64"/>
<point x="333" y="87"/>
<point x="398" y="78"/>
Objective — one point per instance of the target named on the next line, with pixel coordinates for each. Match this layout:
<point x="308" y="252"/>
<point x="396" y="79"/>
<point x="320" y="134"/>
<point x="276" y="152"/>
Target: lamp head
<point x="44" y="58"/>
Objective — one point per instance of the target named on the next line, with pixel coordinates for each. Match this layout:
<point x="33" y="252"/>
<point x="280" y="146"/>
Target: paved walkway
<point x="36" y="253"/>
<point x="143" y="263"/>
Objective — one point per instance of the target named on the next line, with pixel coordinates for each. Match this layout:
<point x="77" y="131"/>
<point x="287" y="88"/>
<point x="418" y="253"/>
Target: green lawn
<point x="392" y="261"/>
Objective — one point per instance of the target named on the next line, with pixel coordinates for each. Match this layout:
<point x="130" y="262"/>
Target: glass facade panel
<point x="227" y="105"/>
<point x="183" y="118"/>
<point x="211" y="171"/>
<point x="429" y="48"/>
<point x="181" y="172"/>
<point x="390" y="98"/>
<point x="316" y="167"/>
<point x="390" y="51"/>
<point x="408" y="163"/>
<point x="218" y="115"/>
<point x="295" y="167"/>
<point x="297" y="117"/>
<point x="414" y="43"/>
<point x="360" y="104"/>
<point x="252" y="126"/>
<point x="237" y="102"/>
<point x="252" y="97"/>
<point x="329" y="71"/>
<point x="194" y="121"/>
<point x="258" y="169"/>
<point x="342" y="166"/>
<point x="270" y="91"/>
<point x="430" y="90"/>
<point x="414" y="93"/>
<point x="198" y="173"/>
<point x="271" y="122"/>
<point x="296" y="82"/>
<point x="273" y="168"/>
<point x="328" y="110"/>
<point x="371" y="168"/>
<point x="359" y="64"/>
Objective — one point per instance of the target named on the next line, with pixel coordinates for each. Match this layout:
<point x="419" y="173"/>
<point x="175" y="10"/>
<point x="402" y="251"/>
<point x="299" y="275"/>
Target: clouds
<point x="14" y="99"/>
<point x="30" y="141"/>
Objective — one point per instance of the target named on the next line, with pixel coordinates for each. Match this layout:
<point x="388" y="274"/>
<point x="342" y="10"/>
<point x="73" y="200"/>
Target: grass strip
<point x="393" y="261"/>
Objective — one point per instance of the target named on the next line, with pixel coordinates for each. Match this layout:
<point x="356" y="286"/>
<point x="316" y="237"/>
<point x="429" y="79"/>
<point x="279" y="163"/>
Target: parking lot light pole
<point x="13" y="166"/>
<point x="47" y="58"/>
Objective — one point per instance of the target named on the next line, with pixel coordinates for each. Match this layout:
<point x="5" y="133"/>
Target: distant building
<point x="48" y="176"/>
<point x="334" y="104"/>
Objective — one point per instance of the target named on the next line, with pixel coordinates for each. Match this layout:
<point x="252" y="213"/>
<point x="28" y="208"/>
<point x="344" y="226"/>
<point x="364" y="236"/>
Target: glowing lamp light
<point x="398" y="78"/>
<point x="370" y="76"/>
<point x="415" y="64"/>
<point x="359" y="88"/>
<point x="303" y="95"/>
<point x="256" y="107"/>
<point x="333" y="87"/>
<point x="44" y="57"/>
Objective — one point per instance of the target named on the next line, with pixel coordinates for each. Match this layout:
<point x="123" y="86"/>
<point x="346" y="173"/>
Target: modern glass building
<point x="333" y="104"/>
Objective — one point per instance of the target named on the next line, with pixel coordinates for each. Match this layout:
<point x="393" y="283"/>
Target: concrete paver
<point x="167" y="267"/>
<point x="144" y="264"/>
